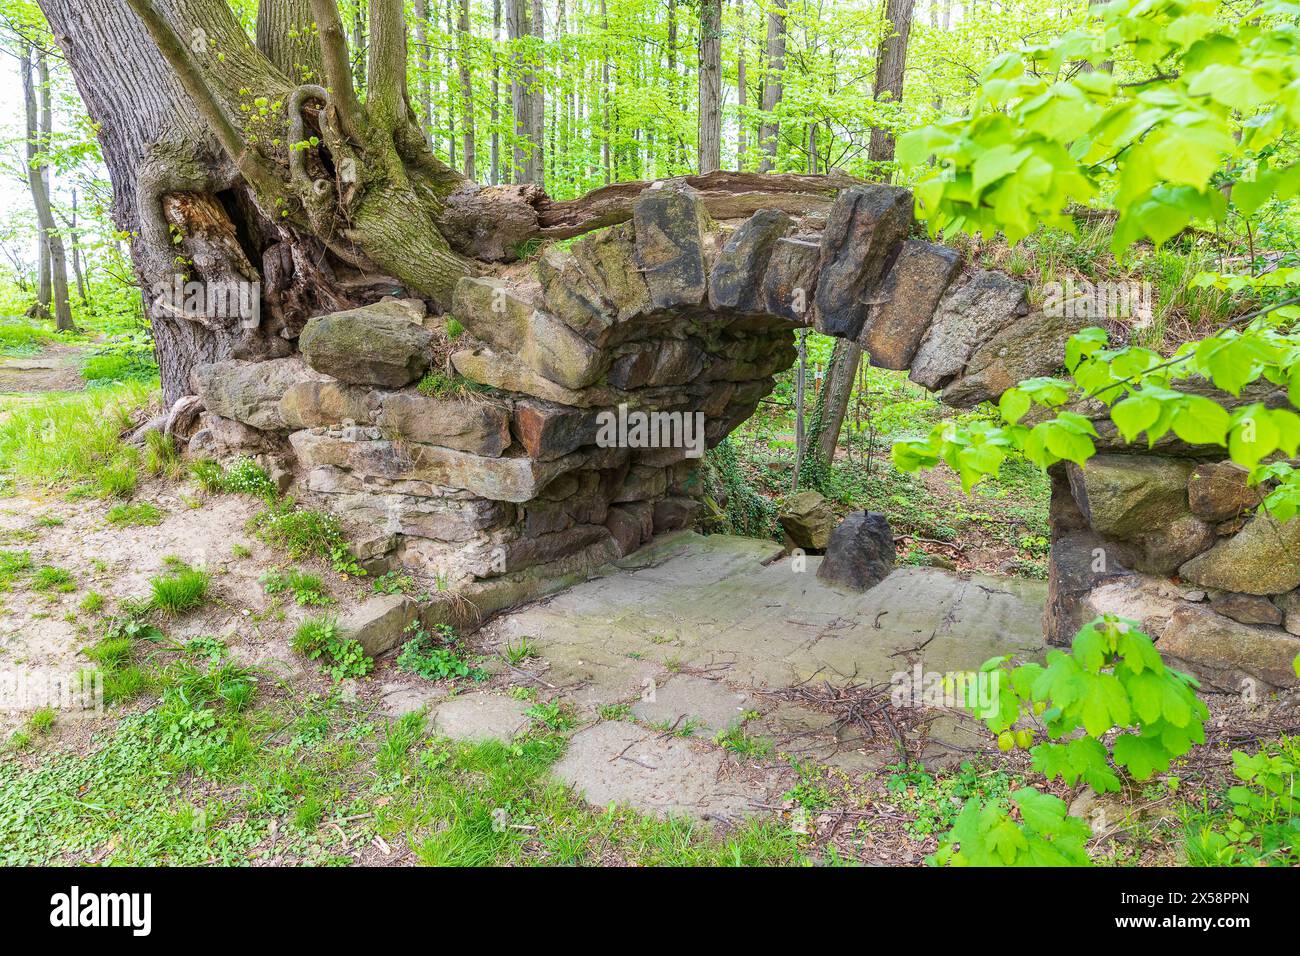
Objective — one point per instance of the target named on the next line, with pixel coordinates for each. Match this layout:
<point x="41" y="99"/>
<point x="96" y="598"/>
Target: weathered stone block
<point x="1027" y="348"/>
<point x="379" y="623"/>
<point x="808" y="521"/>
<point x="1077" y="564"/>
<point x="642" y="483"/>
<point x="1246" y="608"/>
<point x="968" y="316"/>
<point x="597" y="286"/>
<point x="670" y="221"/>
<point x="790" y="282"/>
<point x="327" y="401"/>
<point x="674" y="513"/>
<point x="373" y="345"/>
<point x="865" y="225"/>
<point x="1218" y="491"/>
<point x="670" y="362"/>
<point x="479" y="427"/>
<point x="525" y="552"/>
<point x="736" y="280"/>
<point x="547" y="430"/>
<point x="250" y="392"/>
<point x="1264" y="558"/>
<point x="539" y="340"/>
<point x="912" y="288"/>
<point x="1126" y="496"/>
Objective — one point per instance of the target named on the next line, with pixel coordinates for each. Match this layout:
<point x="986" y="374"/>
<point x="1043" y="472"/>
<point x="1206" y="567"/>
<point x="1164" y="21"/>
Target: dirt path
<point x="55" y="369"/>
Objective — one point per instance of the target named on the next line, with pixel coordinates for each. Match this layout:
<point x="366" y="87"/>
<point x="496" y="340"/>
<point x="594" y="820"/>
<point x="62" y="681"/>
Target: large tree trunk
<point x="39" y="129"/>
<point x="890" y="67"/>
<point x="710" y="133"/>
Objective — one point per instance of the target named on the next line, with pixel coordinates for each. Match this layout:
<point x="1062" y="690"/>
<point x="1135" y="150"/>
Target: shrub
<point x="245" y="477"/>
<point x="302" y="533"/>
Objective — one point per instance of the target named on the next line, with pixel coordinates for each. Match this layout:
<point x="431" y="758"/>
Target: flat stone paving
<point x="696" y="628"/>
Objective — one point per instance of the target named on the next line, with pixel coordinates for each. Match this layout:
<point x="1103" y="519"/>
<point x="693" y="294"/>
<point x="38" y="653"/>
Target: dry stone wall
<point x="512" y="485"/>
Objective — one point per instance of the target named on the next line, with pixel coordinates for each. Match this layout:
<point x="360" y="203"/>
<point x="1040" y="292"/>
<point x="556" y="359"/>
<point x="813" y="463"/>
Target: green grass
<point x="22" y="339"/>
<point x="307" y="589"/>
<point x="180" y="590"/>
<point x="13" y="565"/>
<point x="304" y="533"/>
<point x="436" y="656"/>
<point x="932" y="801"/>
<point x="51" y="579"/>
<point x="75" y="439"/>
<point x="437" y="384"/>
<point x="93" y="602"/>
<point x="135" y="515"/>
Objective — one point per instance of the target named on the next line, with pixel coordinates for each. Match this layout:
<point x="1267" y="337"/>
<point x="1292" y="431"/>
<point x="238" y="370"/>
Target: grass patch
<point x="436" y="384"/>
<point x="180" y="590"/>
<point x="135" y="515"/>
<point x="13" y="564"/>
<point x="75" y="439"/>
<point x="305" y="533"/>
<point x="23" y="339"/>
<point x="51" y="579"/>
<point x="308" y="590"/>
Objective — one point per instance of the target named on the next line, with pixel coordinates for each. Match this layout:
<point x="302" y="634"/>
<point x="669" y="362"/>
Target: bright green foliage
<point x="436" y="656"/>
<point x="244" y="476"/>
<point x="987" y="835"/>
<point x="1113" y="678"/>
<point x="49" y="578"/>
<point x="138" y="514"/>
<point x="319" y="639"/>
<point x="179" y="590"/>
<point x="302" y="533"/>
<point x="1263" y="825"/>
<point x="307" y="589"/>
<point x="1214" y="104"/>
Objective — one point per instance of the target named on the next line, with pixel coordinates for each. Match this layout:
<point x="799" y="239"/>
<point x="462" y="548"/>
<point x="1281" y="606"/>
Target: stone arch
<point x="507" y="494"/>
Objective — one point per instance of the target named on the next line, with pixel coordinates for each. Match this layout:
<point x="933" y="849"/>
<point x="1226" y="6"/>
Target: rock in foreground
<point x="860" y="553"/>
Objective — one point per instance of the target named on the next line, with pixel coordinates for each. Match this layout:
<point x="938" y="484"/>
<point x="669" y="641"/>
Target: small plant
<point x="208" y="473"/>
<point x="240" y="550"/>
<point x="41" y="721"/>
<point x="245" y="477"/>
<point x="737" y="741"/>
<point x="518" y="653"/>
<point x="615" y="712"/>
<point x="116" y="480"/>
<point x="182" y="589"/>
<point x="48" y="521"/>
<point x="436" y="384"/>
<point x="48" y="578"/>
<point x="13" y="564"/>
<point x="341" y="657"/>
<point x="425" y="656"/>
<point x="550" y="714"/>
<point x="161" y="455"/>
<point x="301" y="533"/>
<point x="392" y="582"/>
<point x="1262" y="824"/>
<point x="139" y="514"/>
<point x="93" y="602"/>
<point x="987" y="835"/>
<point x="308" y="590"/>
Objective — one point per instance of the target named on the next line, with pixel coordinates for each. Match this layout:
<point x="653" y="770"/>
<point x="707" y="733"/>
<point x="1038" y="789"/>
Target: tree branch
<point x="250" y="165"/>
<point x="338" y="71"/>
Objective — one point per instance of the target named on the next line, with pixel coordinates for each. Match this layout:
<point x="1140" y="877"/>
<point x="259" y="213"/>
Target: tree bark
<point x="423" y="78"/>
<point x="770" y="128"/>
<point x="495" y="158"/>
<point x="466" y="90"/>
<point x="280" y="35"/>
<point x="39" y="129"/>
<point x="710" y="68"/>
<point x="742" y="91"/>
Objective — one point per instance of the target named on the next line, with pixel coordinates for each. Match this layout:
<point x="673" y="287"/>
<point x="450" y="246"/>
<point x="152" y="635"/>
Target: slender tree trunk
<point x="466" y="89"/>
<point x="607" y="131"/>
<point x="74" y="240"/>
<point x="521" y="102"/>
<point x="423" y="77"/>
<point x="536" y="86"/>
<point x="890" y="67"/>
<point x="495" y="114"/>
<point x="742" y="91"/>
<point x="40" y="126"/>
<point x="710" y="131"/>
<point x="770" y="128"/>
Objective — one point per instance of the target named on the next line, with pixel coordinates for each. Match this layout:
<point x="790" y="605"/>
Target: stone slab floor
<point x="694" y="635"/>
